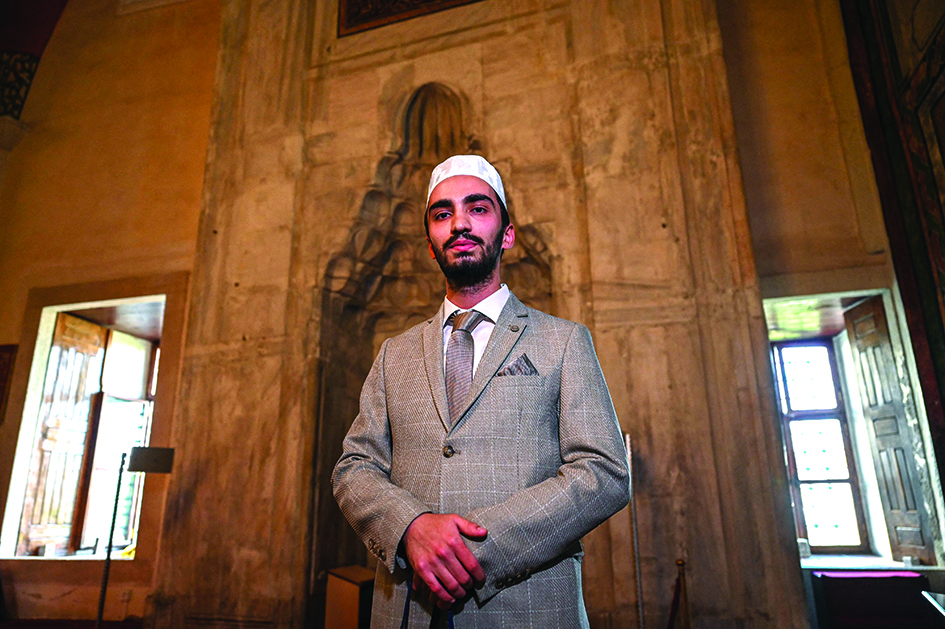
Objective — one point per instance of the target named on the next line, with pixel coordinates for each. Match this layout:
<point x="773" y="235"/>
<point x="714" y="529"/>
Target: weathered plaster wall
<point x="105" y="184"/>
<point x="612" y="126"/>
<point x="107" y="181"/>
<point x="813" y="208"/>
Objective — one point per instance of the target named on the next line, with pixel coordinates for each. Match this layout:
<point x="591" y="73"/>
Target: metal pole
<point x="108" y="554"/>
<point x="638" y="573"/>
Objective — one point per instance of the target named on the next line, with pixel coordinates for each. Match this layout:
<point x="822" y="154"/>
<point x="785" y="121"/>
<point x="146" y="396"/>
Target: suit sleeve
<point x="539" y="524"/>
<point x="378" y="510"/>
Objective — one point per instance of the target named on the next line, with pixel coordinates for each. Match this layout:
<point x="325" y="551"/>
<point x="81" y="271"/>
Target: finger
<point x="437" y="578"/>
<point x="468" y="528"/>
<point x="449" y="570"/>
<point x="471" y="565"/>
<point x="419" y="586"/>
<point x="440" y="596"/>
<point x="458" y="570"/>
<point x="442" y="604"/>
<point x="438" y="591"/>
<point x="450" y="575"/>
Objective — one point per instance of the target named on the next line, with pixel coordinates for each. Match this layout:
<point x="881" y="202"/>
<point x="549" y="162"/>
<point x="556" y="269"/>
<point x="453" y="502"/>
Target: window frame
<point x="78" y="572"/>
<point x="839" y="413"/>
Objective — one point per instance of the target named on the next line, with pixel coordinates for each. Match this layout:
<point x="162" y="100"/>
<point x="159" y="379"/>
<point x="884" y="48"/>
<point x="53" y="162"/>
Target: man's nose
<point x="460" y="222"/>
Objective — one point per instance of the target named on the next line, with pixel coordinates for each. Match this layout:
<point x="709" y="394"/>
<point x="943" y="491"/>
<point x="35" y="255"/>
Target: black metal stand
<point x="108" y="554"/>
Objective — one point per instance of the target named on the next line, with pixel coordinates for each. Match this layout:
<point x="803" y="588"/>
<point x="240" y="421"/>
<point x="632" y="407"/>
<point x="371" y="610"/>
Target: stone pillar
<point x="234" y="546"/>
<point x="679" y="325"/>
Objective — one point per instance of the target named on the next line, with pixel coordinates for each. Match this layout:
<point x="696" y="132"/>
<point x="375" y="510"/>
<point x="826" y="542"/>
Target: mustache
<point x="465" y="236"/>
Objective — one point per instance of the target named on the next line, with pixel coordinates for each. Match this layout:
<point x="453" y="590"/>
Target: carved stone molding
<point x="17" y="70"/>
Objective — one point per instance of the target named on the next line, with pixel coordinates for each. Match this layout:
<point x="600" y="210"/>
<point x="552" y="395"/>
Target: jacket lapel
<point x="508" y="329"/>
<point x="433" y="360"/>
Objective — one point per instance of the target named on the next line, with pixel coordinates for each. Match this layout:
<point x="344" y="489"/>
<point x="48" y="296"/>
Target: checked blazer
<point x="535" y="458"/>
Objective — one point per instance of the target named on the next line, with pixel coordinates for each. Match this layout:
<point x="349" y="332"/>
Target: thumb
<point x="469" y="529"/>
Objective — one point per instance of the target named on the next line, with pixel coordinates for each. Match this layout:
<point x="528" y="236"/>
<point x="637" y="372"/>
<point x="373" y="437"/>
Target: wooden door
<point x="890" y="436"/>
<point x="70" y="390"/>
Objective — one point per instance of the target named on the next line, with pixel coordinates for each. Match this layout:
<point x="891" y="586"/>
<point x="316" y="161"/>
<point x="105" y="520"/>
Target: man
<point x="482" y="454"/>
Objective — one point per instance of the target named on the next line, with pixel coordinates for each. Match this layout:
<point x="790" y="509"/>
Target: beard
<point x="470" y="270"/>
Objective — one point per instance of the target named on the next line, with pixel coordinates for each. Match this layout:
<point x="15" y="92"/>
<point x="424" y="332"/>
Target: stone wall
<point x="813" y="205"/>
<point x="612" y="127"/>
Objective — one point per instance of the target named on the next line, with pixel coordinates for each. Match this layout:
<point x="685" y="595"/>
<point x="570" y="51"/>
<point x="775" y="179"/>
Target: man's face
<point x="465" y="234"/>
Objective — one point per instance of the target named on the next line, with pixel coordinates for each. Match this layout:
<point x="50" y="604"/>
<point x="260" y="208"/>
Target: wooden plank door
<point x="56" y="469"/>
<point x="890" y="436"/>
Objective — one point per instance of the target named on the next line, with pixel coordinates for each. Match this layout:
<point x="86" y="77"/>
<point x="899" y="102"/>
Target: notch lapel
<point x="433" y="360"/>
<point x="503" y="339"/>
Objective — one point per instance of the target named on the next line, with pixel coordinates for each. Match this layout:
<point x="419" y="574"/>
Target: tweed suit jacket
<point x="538" y="460"/>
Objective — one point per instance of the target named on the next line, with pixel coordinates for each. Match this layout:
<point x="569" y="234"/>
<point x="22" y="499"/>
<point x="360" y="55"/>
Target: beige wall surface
<point x="813" y="209"/>
<point x="107" y="181"/>
<point x="106" y="184"/>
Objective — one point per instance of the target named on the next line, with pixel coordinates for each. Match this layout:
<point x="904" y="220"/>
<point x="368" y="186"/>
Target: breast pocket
<point x="528" y="407"/>
<point x="516" y="394"/>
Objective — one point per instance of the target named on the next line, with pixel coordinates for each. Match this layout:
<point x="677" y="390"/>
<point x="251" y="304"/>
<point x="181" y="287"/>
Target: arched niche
<point x="382" y="282"/>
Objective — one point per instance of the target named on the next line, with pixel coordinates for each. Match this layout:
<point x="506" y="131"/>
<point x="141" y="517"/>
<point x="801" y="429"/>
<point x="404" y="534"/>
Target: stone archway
<point x="382" y="282"/>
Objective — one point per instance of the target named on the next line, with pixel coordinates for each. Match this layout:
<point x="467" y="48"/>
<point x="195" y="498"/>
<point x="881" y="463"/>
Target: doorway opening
<point x="863" y="479"/>
<point x="90" y="397"/>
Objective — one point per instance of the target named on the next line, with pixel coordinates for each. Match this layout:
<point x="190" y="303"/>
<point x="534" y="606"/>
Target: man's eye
<point x="479" y="209"/>
<point x="440" y="216"/>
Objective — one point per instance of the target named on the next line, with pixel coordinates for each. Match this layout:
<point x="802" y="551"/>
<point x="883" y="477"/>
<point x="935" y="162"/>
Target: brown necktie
<point x="459" y="359"/>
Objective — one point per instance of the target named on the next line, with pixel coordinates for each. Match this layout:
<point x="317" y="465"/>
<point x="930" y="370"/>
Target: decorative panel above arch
<point x="355" y="16"/>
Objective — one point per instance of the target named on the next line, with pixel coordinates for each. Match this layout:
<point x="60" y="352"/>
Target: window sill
<point x="820" y="562"/>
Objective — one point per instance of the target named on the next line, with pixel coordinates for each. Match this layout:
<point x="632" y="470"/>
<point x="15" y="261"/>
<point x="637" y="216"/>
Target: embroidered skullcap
<point x="471" y="165"/>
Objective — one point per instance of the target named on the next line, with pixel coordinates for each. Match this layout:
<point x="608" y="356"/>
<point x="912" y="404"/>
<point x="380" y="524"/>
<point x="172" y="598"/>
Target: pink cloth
<point x="865" y="574"/>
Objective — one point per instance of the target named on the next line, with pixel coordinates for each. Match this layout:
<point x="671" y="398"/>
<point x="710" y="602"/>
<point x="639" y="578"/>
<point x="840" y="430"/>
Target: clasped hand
<point x="442" y="563"/>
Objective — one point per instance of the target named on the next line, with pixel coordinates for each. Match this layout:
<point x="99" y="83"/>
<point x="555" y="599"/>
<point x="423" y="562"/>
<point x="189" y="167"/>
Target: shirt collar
<point x="491" y="306"/>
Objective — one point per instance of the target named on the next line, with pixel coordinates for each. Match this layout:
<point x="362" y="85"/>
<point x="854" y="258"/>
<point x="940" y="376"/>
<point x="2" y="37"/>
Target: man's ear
<point x="430" y="245"/>
<point x="508" y="238"/>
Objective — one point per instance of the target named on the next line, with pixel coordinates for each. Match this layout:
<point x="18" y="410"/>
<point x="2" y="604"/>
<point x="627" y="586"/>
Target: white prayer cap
<point x="471" y="165"/>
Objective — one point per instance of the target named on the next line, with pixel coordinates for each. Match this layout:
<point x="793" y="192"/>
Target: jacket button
<point x="448" y="451"/>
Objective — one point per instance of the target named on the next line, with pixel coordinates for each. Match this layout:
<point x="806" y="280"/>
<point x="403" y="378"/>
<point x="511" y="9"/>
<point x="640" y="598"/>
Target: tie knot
<point x="466" y="321"/>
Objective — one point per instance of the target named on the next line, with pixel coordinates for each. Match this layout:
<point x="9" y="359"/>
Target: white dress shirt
<point x="491" y="306"/>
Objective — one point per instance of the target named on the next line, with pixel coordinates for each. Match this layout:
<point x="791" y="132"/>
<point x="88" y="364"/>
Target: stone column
<point x="234" y="546"/>
<point x="679" y="325"/>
